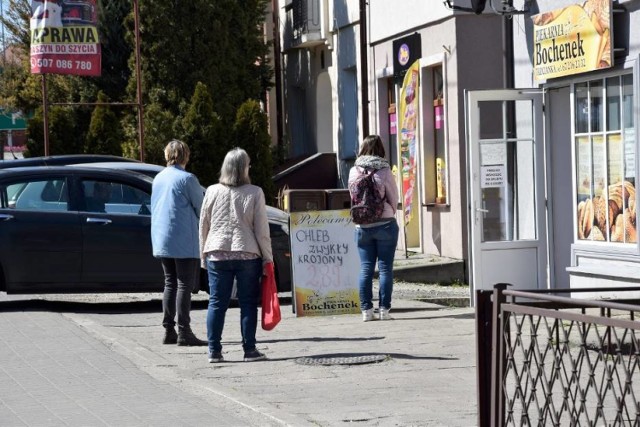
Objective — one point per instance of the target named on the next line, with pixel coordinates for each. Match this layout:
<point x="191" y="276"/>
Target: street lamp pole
<point x="364" y="68"/>
<point x="45" y="114"/>
<point x="136" y="13"/>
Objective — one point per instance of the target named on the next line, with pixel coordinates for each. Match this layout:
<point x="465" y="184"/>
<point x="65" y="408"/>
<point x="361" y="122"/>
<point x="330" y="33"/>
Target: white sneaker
<point x="384" y="314"/>
<point x="367" y="315"/>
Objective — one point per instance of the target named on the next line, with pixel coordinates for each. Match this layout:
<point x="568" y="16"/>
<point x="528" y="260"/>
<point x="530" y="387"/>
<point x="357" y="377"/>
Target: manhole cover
<point x="337" y="359"/>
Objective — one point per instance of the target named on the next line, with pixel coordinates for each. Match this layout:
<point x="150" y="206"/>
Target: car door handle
<point x="102" y="221"/>
<point x="5" y="217"/>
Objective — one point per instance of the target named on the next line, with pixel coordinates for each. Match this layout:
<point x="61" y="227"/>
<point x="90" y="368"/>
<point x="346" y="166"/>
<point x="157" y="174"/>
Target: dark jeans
<point x="221" y="275"/>
<point x="181" y="275"/>
<point x="376" y="243"/>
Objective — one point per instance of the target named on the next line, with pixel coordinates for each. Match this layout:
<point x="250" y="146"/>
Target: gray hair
<point x="176" y="153"/>
<point x="235" y="168"/>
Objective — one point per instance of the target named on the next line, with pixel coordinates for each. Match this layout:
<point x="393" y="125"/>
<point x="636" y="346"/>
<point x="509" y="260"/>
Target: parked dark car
<point x="65" y="159"/>
<point x="278" y="220"/>
<point x="56" y="236"/>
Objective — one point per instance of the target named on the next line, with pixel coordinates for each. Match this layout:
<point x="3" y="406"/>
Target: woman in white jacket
<point x="234" y="244"/>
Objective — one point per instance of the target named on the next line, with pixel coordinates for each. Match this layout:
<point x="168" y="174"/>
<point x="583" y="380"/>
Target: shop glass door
<point x="506" y="189"/>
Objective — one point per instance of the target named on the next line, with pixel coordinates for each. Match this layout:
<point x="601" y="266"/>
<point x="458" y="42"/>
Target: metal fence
<point x="549" y="358"/>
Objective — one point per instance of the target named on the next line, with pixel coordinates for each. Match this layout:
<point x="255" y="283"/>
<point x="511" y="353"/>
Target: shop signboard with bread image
<point x="610" y="217"/>
<point x="572" y="40"/>
<point x="606" y="213"/>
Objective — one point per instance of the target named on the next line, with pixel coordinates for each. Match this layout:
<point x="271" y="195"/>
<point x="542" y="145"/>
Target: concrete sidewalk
<point x="55" y="373"/>
<point x="99" y="360"/>
<point x="427" y="376"/>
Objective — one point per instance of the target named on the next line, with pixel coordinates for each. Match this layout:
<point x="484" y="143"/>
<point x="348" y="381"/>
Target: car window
<point x="37" y="195"/>
<point x="115" y="198"/>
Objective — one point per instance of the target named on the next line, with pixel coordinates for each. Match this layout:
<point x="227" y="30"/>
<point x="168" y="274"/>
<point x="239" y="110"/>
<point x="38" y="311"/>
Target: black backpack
<point x="366" y="203"/>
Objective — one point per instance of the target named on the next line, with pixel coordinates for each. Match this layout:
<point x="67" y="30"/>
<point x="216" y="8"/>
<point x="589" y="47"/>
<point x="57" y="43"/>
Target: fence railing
<point x="548" y="359"/>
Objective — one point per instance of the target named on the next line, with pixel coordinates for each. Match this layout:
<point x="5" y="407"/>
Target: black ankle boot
<point x="187" y="338"/>
<point x="170" y="335"/>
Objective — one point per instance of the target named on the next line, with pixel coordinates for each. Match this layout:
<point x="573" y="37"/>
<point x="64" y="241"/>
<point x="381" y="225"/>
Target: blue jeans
<point x="376" y="243"/>
<point x="221" y="275"/>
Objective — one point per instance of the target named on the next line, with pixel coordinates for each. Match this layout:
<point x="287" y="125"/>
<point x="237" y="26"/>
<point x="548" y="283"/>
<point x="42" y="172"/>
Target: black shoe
<point x="215" y="357"/>
<point x="187" y="338"/>
<point x="253" y="356"/>
<point x="170" y="335"/>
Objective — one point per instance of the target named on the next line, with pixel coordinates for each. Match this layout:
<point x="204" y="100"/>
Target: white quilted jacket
<point x="234" y="219"/>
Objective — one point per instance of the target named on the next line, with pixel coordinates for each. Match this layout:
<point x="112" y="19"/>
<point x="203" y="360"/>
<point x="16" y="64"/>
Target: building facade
<point x="524" y="168"/>
<point x="591" y="115"/>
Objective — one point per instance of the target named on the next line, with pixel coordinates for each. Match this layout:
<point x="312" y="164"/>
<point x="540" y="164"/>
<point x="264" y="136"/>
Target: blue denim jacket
<point x="176" y="200"/>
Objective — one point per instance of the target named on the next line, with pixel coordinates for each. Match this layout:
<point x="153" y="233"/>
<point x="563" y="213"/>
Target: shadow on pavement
<point x="56" y="306"/>
<point x="152" y="305"/>
<point x="450" y="316"/>
<point x="384" y="356"/>
<point x="391" y="355"/>
<point x="411" y="309"/>
<point x="318" y="339"/>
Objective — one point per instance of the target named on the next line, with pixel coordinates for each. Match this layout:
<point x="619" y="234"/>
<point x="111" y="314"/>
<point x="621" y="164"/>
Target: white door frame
<point x="509" y="250"/>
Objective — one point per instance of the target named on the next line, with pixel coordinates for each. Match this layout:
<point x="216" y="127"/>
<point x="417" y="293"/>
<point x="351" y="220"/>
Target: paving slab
<point x="426" y="379"/>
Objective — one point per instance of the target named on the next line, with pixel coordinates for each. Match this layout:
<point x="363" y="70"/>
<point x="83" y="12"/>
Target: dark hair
<point x="372" y="146"/>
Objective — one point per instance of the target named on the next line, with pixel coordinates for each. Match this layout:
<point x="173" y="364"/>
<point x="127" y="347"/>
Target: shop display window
<point x="605" y="150"/>
<point x="435" y="147"/>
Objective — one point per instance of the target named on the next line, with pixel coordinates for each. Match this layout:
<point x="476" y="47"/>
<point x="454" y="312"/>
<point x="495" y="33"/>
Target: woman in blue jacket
<point x="176" y="200"/>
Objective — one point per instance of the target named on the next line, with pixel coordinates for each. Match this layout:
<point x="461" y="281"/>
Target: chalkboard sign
<point x="325" y="263"/>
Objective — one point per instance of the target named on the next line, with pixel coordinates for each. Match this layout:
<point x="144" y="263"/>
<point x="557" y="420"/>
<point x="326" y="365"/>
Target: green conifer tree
<point x="105" y="132"/>
<point x="250" y="133"/>
<point x="200" y="129"/>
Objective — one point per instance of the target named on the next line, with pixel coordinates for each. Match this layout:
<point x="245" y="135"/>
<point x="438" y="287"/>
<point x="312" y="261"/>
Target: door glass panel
<point x="491" y="119"/>
<point x="520" y="122"/>
<point x="507" y="185"/>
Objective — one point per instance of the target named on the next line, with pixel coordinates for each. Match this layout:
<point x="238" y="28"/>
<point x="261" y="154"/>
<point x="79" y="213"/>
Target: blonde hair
<point x="235" y="168"/>
<point x="176" y="153"/>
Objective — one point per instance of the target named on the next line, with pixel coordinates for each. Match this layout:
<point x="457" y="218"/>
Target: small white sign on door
<point x="492" y="176"/>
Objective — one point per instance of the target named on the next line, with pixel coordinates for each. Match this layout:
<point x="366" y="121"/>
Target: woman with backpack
<point x="376" y="227"/>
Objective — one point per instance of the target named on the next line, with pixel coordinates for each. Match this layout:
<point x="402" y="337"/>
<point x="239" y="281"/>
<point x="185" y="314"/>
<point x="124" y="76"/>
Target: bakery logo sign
<point x="572" y="40"/>
<point x="404" y="54"/>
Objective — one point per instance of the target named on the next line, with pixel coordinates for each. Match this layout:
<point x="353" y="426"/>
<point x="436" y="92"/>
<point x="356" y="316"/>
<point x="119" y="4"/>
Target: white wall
<point x="388" y="18"/>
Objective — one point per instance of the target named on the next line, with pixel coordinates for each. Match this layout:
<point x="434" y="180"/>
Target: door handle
<point x="482" y="210"/>
<point x="102" y="221"/>
<point x="5" y="217"/>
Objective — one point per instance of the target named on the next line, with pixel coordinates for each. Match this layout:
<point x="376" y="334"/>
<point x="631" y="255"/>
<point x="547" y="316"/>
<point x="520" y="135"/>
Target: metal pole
<point x="364" y="77"/>
<point x="277" y="70"/>
<point x="45" y="114"/>
<point x="136" y="13"/>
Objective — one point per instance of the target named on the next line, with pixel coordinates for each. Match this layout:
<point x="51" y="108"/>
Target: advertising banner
<point x="64" y="37"/>
<point x="325" y="263"/>
<point x="408" y="134"/>
<point x="572" y="40"/>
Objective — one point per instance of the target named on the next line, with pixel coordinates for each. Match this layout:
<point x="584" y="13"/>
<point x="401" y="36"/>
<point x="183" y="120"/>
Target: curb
<point x="437" y="272"/>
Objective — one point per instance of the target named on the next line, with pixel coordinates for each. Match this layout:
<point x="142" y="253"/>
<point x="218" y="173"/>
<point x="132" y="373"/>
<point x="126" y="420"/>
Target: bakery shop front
<point x="553" y="165"/>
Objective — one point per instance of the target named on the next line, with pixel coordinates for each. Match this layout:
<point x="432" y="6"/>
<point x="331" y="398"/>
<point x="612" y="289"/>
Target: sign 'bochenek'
<point x="572" y="40"/>
<point x="325" y="263"/>
<point x="64" y="38"/>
